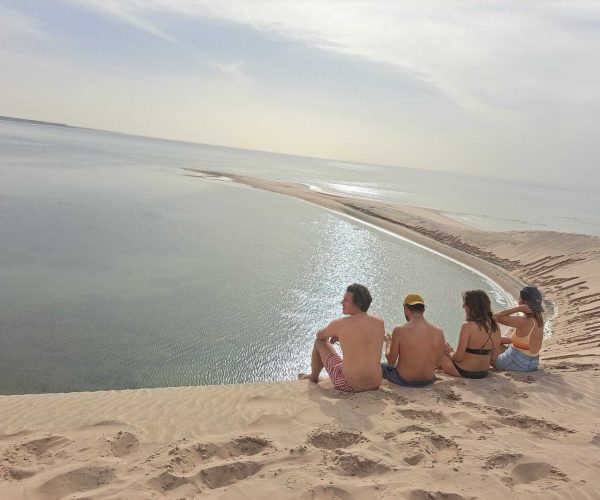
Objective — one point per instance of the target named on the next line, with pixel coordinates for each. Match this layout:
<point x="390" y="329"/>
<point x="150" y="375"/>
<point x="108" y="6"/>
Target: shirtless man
<point x="416" y="346"/>
<point x="361" y="339"/>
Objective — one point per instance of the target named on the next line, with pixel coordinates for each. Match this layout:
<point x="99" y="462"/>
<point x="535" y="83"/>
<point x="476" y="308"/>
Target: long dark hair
<point x="479" y="309"/>
<point x="539" y="318"/>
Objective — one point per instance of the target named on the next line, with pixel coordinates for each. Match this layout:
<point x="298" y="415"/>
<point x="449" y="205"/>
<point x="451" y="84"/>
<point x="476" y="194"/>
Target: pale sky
<point x="502" y="88"/>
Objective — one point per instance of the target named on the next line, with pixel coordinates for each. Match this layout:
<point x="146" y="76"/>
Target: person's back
<point x="524" y="345"/>
<point x="420" y="347"/>
<point x="478" y="339"/>
<point x="416" y="347"/>
<point x="361" y="337"/>
<point x="480" y="347"/>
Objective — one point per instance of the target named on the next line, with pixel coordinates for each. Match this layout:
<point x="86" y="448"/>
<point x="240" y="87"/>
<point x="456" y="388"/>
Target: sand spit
<point x="565" y="266"/>
<point x="511" y="435"/>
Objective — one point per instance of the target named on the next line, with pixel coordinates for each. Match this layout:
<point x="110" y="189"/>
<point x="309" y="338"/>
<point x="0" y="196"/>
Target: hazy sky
<point x="509" y="88"/>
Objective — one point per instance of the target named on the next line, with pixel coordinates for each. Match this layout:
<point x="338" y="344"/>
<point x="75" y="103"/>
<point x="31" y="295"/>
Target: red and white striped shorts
<point x="333" y="365"/>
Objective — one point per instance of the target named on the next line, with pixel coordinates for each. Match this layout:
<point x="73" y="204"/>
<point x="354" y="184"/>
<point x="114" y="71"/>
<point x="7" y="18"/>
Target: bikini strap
<point x="532" y="326"/>
<point x="490" y="339"/>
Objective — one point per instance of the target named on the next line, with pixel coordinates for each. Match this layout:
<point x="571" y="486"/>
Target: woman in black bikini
<point x="479" y="340"/>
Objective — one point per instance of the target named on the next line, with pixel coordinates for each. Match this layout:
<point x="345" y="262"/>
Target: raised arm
<point x="505" y="317"/>
<point x="330" y="331"/>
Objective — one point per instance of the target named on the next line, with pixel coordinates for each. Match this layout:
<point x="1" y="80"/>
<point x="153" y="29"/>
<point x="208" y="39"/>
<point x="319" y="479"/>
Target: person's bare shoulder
<point x="341" y="320"/>
<point x="400" y="330"/>
<point x="378" y="320"/>
<point x="336" y="324"/>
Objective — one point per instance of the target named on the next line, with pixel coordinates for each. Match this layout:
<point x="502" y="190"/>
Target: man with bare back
<point x="361" y="338"/>
<point x="416" y="347"/>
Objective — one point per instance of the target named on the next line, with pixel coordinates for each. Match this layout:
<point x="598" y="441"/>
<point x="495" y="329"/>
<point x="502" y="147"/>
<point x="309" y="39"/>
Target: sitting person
<point x="416" y="347"/>
<point x="361" y="339"/>
<point x="478" y="342"/>
<point x="522" y="355"/>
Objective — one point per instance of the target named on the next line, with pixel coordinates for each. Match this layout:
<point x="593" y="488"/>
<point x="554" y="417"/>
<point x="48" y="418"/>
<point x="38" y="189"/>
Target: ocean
<point x="119" y="270"/>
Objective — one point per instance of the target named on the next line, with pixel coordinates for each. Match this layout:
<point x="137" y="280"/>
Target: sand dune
<point x="512" y="435"/>
<point x="522" y="435"/>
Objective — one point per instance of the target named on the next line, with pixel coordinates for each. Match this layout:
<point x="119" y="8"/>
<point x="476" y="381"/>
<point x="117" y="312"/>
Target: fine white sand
<point x="511" y="435"/>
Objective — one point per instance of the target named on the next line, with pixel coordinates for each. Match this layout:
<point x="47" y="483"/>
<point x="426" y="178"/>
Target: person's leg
<point x="506" y="360"/>
<point x="515" y="361"/>
<point x="321" y="351"/>
<point x="448" y="366"/>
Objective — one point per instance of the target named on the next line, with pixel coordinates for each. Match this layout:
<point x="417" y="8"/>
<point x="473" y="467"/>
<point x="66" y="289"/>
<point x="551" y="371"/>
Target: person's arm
<point x="497" y="349"/>
<point x="463" y="342"/>
<point x="328" y="331"/>
<point x="442" y="349"/>
<point x="393" y="347"/>
<point x="505" y="317"/>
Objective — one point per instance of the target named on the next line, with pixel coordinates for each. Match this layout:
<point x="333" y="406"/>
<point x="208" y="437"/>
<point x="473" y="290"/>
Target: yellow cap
<point x="412" y="299"/>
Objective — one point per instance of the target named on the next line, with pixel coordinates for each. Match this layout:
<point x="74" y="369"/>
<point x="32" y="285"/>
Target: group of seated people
<point x="416" y="349"/>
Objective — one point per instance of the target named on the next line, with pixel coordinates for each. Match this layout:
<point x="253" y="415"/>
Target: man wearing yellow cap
<point x="415" y="348"/>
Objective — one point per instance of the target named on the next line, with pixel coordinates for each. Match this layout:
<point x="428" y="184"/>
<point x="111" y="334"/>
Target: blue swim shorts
<point x="390" y="373"/>
<point x="514" y="360"/>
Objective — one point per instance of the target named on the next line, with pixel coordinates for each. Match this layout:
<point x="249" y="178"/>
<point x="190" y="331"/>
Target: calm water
<point x="120" y="271"/>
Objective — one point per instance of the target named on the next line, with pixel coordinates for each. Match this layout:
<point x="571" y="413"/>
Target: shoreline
<point x="510" y="435"/>
<point x="565" y="266"/>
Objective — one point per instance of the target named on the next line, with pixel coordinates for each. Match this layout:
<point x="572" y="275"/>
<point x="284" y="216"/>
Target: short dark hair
<point x="420" y="308"/>
<point x="360" y="296"/>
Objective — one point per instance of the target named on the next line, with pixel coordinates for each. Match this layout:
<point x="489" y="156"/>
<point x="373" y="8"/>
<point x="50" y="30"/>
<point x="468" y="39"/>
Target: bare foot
<point x="306" y="376"/>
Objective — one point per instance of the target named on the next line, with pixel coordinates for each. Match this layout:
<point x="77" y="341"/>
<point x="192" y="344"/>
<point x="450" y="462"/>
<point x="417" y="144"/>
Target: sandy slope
<point x="511" y="435"/>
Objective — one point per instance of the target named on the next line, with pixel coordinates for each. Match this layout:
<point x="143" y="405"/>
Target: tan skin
<point x="522" y="325"/>
<point x="474" y="337"/>
<point x="417" y="347"/>
<point x="361" y="338"/>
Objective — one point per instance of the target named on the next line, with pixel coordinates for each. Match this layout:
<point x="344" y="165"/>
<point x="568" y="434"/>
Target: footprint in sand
<point x="78" y="480"/>
<point x="331" y="438"/>
<point x="529" y="472"/>
<point x="447" y="396"/>
<point x="168" y="481"/>
<point x="434" y="495"/>
<point x="123" y="443"/>
<point x="326" y="493"/>
<point x="222" y="475"/>
<point x="531" y="424"/>
<point x="350" y="464"/>
<point x="427" y="415"/>
<point x="185" y="459"/>
<point x="508" y="417"/>
<point x="500" y="460"/>
<point x="428" y="447"/>
<point x="37" y="451"/>
<point x="414" y="459"/>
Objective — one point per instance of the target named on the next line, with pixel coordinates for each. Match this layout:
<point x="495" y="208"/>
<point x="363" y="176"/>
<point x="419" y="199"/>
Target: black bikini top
<point x="482" y="351"/>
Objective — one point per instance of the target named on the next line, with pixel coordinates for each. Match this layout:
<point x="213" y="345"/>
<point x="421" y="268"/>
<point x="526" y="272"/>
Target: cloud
<point x="434" y="84"/>
<point x="15" y="25"/>
<point x="130" y="12"/>
<point x="492" y="55"/>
